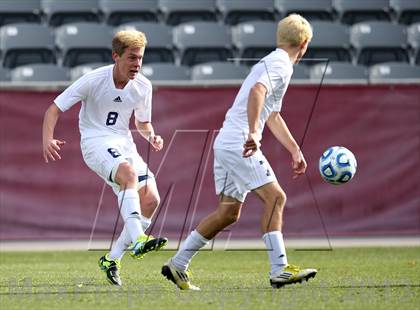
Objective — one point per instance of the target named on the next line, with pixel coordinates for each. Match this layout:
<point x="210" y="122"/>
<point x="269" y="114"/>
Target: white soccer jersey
<point x="274" y="72"/>
<point x="106" y="110"/>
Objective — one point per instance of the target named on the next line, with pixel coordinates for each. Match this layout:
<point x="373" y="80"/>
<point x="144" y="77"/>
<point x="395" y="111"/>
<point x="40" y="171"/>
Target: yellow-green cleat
<point x="111" y="268"/>
<point x="146" y="244"/>
<point x="291" y="274"/>
<point x="181" y="278"/>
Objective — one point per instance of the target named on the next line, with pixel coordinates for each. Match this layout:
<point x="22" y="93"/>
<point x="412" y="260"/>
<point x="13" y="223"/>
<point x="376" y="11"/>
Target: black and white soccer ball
<point x="337" y="165"/>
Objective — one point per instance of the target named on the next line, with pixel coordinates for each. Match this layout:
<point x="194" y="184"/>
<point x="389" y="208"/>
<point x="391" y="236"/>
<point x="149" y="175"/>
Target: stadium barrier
<point x="65" y="200"/>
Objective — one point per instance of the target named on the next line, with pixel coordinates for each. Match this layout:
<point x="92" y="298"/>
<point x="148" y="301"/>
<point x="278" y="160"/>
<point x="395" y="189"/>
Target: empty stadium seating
<point x="4" y="74"/>
<point x="199" y="42"/>
<point x="78" y="71"/>
<point x="192" y="32"/>
<point x="338" y="71"/>
<point x="12" y="11"/>
<point x="218" y="71"/>
<point x="78" y="46"/>
<point x="39" y="73"/>
<point x="126" y="11"/>
<point x="165" y="72"/>
<point x="393" y="71"/>
<point x="312" y="10"/>
<point x="26" y="43"/>
<point x="239" y="11"/>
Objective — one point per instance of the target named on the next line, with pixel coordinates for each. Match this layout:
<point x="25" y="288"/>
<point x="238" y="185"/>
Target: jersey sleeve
<point x="271" y="77"/>
<point x="78" y="91"/>
<point x="143" y="111"/>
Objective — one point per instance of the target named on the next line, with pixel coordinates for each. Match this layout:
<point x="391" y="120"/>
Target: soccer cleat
<point x="111" y="267"/>
<point x="292" y="274"/>
<point x="146" y="244"/>
<point x="179" y="277"/>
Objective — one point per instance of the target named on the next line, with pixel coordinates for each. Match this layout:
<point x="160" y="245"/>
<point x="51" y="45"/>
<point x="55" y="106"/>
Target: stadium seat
<point x="338" y="71"/>
<point x="330" y="40"/>
<point x="127" y="11"/>
<point x="26" y="43"/>
<point x="182" y="11"/>
<point x="4" y="74"/>
<point x="413" y="35"/>
<point x="165" y="72"/>
<point x="356" y="11"/>
<point x="81" y="70"/>
<point x="239" y="11"/>
<point x="407" y="11"/>
<point x="59" y="12"/>
<point x="312" y="10"/>
<point x="218" y="71"/>
<point x="254" y="40"/>
<point x="12" y="11"/>
<point x="39" y="73"/>
<point x="159" y="41"/>
<point x="393" y="71"/>
<point x="300" y="73"/>
<point x="377" y="42"/>
<point x="200" y="42"/>
<point x="81" y="43"/>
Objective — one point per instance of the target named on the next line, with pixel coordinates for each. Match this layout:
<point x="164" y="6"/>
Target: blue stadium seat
<point x="218" y="71"/>
<point x="331" y="40"/>
<point x="393" y="71"/>
<point x="81" y="43"/>
<point x="81" y="70"/>
<point x="182" y="11"/>
<point x="377" y="42"/>
<point x="254" y="40"/>
<point x="159" y="41"/>
<point x="165" y="72"/>
<point x="300" y="73"/>
<point x="59" y="12"/>
<point x="239" y="11"/>
<point x="407" y="11"/>
<point x="200" y="42"/>
<point x="39" y="73"/>
<point x="312" y="9"/>
<point x="26" y="43"/>
<point x="128" y="11"/>
<point x="12" y="11"/>
<point x="413" y="35"/>
<point x="338" y="71"/>
<point x="355" y="11"/>
<point x="4" y="74"/>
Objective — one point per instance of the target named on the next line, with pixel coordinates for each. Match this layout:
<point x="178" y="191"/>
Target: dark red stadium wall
<point x="380" y="124"/>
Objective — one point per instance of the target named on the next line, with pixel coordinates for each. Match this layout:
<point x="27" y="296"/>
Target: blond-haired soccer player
<point x="240" y="166"/>
<point x="109" y="95"/>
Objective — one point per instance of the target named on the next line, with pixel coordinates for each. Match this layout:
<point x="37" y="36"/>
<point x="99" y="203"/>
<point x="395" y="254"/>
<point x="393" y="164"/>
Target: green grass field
<point x="365" y="278"/>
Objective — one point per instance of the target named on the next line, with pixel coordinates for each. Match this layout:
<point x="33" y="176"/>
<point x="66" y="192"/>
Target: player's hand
<point x="252" y="144"/>
<point x="298" y="163"/>
<point x="156" y="142"/>
<point x="51" y="149"/>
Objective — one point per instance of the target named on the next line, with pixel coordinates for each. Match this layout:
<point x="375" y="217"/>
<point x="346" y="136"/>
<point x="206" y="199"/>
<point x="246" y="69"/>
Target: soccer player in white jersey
<point x="109" y="96"/>
<point x="240" y="166"/>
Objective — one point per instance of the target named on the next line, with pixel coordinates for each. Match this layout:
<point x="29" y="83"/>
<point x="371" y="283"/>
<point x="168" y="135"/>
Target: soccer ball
<point x="337" y="165"/>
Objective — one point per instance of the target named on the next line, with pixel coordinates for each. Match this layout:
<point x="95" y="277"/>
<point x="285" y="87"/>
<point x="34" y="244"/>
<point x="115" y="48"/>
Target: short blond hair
<point x="128" y="39"/>
<point x="293" y="30"/>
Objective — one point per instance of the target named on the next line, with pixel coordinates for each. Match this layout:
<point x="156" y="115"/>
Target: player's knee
<point x="152" y="202"/>
<point x="232" y="216"/>
<point x="126" y="176"/>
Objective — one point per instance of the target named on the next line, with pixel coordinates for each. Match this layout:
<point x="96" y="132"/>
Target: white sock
<point x="129" y="201"/>
<point x="119" y="246"/>
<point x="188" y="250"/>
<point x="276" y="251"/>
<point x="145" y="222"/>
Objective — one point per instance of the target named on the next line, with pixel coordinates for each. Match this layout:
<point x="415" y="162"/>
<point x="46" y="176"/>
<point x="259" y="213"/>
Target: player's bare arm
<point x="255" y="104"/>
<point x="282" y="133"/>
<point x="51" y="146"/>
<point x="146" y="131"/>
